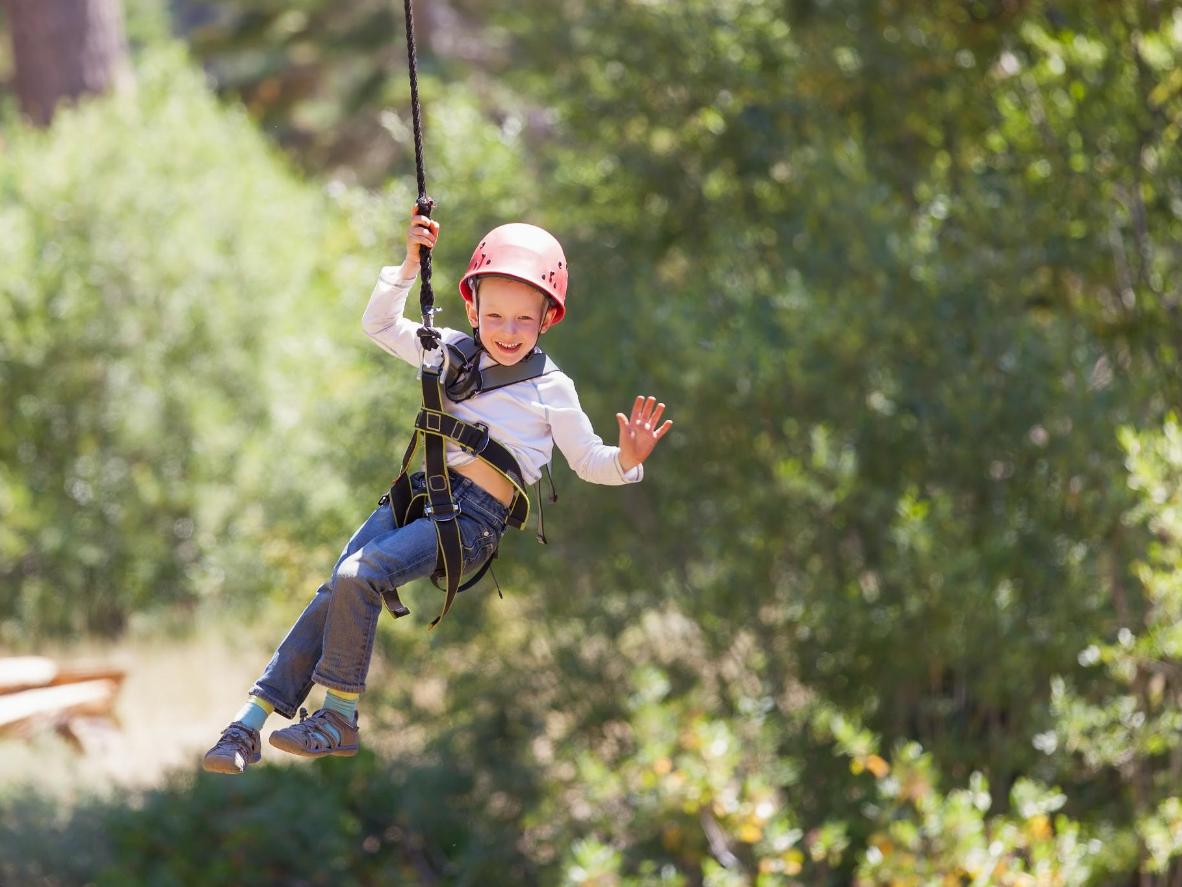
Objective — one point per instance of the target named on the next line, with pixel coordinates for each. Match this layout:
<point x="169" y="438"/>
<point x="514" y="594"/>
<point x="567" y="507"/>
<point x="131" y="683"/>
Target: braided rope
<point x="424" y="203"/>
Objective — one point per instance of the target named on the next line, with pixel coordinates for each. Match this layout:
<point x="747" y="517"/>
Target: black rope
<point x="424" y="203"/>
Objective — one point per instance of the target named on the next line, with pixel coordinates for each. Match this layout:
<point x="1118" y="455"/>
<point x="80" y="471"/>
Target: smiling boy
<point x="514" y="290"/>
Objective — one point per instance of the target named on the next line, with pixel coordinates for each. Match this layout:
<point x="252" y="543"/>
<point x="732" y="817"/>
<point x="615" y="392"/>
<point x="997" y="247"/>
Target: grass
<point x="179" y="692"/>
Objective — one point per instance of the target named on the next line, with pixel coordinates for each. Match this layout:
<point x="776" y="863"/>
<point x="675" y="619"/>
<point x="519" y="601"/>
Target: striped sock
<point x="344" y="704"/>
<point x="254" y="713"/>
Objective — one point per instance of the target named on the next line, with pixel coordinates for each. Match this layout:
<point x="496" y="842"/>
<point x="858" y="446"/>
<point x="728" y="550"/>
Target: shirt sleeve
<point x="583" y="449"/>
<point x="384" y="320"/>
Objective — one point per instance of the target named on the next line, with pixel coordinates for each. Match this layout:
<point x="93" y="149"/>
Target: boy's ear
<point x="473" y="314"/>
<point x="548" y="318"/>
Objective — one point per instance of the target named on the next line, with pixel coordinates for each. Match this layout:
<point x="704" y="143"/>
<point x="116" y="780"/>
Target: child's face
<point x="512" y="315"/>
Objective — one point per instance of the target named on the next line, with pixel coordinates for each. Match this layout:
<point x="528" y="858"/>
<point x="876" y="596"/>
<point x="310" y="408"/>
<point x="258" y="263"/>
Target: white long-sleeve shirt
<point x="528" y="417"/>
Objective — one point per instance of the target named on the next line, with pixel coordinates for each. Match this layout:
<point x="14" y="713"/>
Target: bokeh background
<point x="898" y="600"/>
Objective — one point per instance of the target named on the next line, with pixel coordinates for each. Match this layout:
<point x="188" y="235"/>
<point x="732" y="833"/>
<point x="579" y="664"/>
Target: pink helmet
<point x="522" y="252"/>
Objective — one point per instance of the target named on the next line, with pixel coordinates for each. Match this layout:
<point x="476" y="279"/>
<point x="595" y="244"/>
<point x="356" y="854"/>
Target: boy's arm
<point x="384" y="320"/>
<point x="583" y="449"/>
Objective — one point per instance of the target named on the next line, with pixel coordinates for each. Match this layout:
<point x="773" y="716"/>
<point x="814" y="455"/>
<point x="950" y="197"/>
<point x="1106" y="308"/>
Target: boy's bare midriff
<point x="487" y="478"/>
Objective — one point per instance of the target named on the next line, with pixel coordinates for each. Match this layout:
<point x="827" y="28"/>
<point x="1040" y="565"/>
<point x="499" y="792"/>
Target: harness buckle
<point x="453" y="511"/>
<point x="477" y="448"/>
<point x="437" y="490"/>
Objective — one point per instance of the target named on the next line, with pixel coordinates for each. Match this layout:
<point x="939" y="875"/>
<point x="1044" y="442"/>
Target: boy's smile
<point x="507" y="349"/>
<point x="512" y="315"/>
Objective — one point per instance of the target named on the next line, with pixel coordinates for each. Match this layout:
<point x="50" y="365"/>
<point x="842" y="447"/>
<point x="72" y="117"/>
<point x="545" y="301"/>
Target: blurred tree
<point x="1125" y="730"/>
<point x="873" y="254"/>
<point x="65" y="49"/>
<point x="327" y="80"/>
<point x="154" y="255"/>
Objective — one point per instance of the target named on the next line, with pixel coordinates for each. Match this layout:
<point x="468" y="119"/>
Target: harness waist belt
<point x="475" y="439"/>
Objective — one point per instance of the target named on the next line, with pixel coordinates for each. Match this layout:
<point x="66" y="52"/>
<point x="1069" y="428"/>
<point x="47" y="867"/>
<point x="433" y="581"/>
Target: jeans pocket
<point x="479" y="541"/>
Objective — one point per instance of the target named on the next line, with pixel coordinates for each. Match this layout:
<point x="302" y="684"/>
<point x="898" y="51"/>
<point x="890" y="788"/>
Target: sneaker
<point x="310" y="738"/>
<point x="238" y="747"/>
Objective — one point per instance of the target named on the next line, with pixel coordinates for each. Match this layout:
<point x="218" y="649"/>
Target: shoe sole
<point x="221" y="765"/>
<point x="294" y="748"/>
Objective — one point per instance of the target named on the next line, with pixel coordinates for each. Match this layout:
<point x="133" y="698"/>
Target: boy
<point x="514" y="291"/>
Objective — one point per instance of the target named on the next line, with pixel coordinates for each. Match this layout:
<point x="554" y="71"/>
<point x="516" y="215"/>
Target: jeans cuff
<point x="288" y="711"/>
<point x="333" y="684"/>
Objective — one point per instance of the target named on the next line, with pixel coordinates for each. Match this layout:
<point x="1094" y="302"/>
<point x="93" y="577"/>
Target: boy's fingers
<point x="637" y="406"/>
<point x="656" y="416"/>
<point x="660" y="432"/>
<point x="644" y="407"/>
<point x="646" y="416"/>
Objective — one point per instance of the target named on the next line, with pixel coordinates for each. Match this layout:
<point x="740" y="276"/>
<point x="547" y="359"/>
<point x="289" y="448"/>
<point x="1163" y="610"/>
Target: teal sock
<point x="254" y="713"/>
<point x="344" y="704"/>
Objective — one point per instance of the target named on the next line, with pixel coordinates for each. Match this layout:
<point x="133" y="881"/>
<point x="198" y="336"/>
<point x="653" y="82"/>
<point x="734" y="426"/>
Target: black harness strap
<point x="466" y="379"/>
<point x="441" y="507"/>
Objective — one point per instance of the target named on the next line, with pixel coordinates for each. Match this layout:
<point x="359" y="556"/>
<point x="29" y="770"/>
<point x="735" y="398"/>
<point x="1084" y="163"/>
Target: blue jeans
<point x="332" y="641"/>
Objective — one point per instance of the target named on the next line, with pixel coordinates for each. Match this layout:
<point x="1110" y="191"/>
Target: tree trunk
<point x="65" y="49"/>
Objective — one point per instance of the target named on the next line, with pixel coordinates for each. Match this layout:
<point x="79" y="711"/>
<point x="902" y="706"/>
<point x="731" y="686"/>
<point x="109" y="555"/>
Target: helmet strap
<point x="475" y="285"/>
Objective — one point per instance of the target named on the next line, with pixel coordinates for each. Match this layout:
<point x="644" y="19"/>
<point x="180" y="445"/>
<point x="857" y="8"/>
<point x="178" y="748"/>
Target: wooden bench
<point x="78" y="700"/>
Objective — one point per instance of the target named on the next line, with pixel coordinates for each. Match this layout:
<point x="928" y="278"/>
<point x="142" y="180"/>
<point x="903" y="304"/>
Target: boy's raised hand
<point x="422" y="231"/>
<point x="640" y="432"/>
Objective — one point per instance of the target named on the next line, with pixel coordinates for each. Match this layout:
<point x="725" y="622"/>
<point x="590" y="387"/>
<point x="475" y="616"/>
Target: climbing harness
<point x="412" y="496"/>
<point x="457" y="375"/>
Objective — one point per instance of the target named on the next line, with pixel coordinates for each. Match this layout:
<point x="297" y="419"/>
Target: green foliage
<point x="185" y="385"/>
<point x="138" y="233"/>
<point x="1127" y="727"/>
<point x="925" y="837"/>
<point x="158" y="262"/>
<point x="335" y="822"/>
<point x="892" y="348"/>
<point x="899" y="270"/>
<point x="34" y="829"/>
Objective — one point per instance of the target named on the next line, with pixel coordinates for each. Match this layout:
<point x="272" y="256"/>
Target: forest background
<point x="898" y="600"/>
